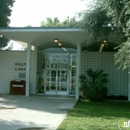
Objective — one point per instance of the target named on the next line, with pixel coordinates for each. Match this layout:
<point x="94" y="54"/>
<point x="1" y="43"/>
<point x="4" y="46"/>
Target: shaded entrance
<point x="42" y="38"/>
<point x="58" y="75"/>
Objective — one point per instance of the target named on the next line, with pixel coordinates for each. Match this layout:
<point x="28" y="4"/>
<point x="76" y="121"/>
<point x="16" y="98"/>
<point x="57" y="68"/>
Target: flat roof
<point x="44" y="36"/>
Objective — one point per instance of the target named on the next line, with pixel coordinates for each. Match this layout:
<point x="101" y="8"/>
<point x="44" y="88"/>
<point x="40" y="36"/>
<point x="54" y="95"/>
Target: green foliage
<point x="96" y="25"/>
<point x="5" y="12"/>
<point x="93" y="85"/>
<point x="122" y="57"/>
<point x="119" y="11"/>
<point x="106" y="16"/>
<point x="68" y="22"/>
<point x="3" y="42"/>
<point x="29" y="25"/>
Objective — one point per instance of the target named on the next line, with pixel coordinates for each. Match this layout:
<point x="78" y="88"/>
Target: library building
<point x="53" y="60"/>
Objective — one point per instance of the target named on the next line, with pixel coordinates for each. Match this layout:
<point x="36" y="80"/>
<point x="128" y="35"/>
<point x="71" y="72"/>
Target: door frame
<point x="57" y="81"/>
<point x="57" y="69"/>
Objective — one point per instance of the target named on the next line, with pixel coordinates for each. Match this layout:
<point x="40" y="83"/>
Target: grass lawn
<point x="105" y="115"/>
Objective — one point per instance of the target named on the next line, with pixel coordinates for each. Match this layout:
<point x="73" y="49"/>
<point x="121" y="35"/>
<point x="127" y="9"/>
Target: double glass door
<point x="57" y="81"/>
<point x="58" y="74"/>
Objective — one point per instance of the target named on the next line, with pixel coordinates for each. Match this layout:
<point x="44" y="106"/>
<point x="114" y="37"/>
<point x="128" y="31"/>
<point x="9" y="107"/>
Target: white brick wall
<point x="7" y="69"/>
<point x="118" y="80"/>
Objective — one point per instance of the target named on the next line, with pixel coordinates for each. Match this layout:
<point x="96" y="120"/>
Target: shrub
<point x="93" y="85"/>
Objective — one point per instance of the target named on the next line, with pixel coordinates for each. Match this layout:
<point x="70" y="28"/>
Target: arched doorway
<point x="57" y="73"/>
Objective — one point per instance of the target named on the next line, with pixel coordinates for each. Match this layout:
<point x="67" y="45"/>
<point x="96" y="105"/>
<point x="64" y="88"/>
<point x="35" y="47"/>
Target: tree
<point x="115" y="17"/>
<point x="68" y="22"/>
<point x="29" y="25"/>
<point x="56" y="21"/>
<point x="49" y="23"/>
<point x="3" y="41"/>
<point x="119" y="11"/>
<point x="5" y="12"/>
<point x="96" y="24"/>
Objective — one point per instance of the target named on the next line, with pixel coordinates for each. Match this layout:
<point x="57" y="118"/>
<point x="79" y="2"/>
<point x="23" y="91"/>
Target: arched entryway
<point x="69" y="37"/>
<point x="56" y="70"/>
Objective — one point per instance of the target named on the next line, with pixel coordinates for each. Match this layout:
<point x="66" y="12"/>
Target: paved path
<point x="35" y="111"/>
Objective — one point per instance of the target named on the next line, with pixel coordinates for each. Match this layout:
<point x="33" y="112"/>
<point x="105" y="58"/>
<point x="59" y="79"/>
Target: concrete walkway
<point x="43" y="112"/>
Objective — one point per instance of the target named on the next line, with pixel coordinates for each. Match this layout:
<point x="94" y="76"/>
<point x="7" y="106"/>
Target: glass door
<point x="62" y="82"/>
<point x="57" y="82"/>
<point x="57" y="74"/>
<point x="51" y="81"/>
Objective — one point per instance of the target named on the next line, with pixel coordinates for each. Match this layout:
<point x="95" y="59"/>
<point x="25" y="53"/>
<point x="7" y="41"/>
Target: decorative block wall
<point x="118" y="79"/>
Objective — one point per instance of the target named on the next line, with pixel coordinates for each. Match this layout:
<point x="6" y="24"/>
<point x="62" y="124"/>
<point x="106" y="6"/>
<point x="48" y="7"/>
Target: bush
<point x="93" y="85"/>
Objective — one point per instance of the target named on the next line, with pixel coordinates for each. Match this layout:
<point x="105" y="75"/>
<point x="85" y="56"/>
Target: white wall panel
<point x="8" y="72"/>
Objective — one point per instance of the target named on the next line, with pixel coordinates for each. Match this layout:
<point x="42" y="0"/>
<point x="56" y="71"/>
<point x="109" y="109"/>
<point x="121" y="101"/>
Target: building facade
<point x="52" y="69"/>
<point x="54" y="73"/>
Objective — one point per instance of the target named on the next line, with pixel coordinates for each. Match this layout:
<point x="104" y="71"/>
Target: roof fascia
<point x="39" y="29"/>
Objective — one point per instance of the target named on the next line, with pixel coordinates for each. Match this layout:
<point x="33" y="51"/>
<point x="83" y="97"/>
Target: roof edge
<point x="39" y="29"/>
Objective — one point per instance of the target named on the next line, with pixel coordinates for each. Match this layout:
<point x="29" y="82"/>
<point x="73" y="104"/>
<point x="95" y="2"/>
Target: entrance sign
<point x="20" y="66"/>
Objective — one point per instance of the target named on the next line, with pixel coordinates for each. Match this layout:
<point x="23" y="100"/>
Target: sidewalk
<point x="43" y="112"/>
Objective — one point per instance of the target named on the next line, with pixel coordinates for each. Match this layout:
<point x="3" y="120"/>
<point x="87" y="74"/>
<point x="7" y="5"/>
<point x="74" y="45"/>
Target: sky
<point x="33" y="12"/>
